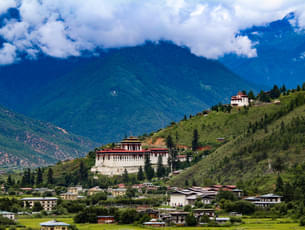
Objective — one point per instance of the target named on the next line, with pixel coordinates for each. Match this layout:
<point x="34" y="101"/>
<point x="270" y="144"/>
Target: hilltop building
<point x="240" y="100"/>
<point x="128" y="155"/>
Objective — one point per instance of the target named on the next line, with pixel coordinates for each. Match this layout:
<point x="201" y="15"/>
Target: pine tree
<point x="169" y="142"/>
<point x="279" y="185"/>
<point x="10" y="181"/>
<point x="39" y="178"/>
<point x="160" y="168"/>
<point x="83" y="172"/>
<point x="50" y="180"/>
<point x="140" y="175"/>
<point x="149" y="171"/>
<point x="125" y="177"/>
<point x="195" y="140"/>
<point x="251" y="95"/>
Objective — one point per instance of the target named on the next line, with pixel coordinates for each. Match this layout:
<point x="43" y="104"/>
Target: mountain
<point x="126" y="91"/>
<point x="25" y="142"/>
<point x="280" y="54"/>
<point x="259" y="143"/>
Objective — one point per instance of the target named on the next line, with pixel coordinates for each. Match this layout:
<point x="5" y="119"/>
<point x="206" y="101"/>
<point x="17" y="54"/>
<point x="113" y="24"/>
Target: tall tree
<point x="39" y="178"/>
<point x="83" y="172"/>
<point x="149" y="171"/>
<point x="169" y="142"/>
<point x="125" y="177"/>
<point x="140" y="175"/>
<point x="160" y="167"/>
<point x="279" y="185"/>
<point x="251" y="95"/>
<point x="195" y="140"/>
<point x="50" y="177"/>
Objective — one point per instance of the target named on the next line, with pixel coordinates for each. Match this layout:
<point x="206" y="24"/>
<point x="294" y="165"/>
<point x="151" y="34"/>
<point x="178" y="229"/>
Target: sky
<point x="65" y="28"/>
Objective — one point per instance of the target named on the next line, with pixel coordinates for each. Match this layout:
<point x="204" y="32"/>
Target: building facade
<point x="239" y="100"/>
<point x="129" y="155"/>
<point x="48" y="203"/>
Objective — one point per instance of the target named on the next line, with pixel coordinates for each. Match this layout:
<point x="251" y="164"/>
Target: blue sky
<point x="64" y="28"/>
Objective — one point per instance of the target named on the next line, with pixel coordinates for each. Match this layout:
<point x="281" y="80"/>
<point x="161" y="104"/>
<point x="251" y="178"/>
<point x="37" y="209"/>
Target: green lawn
<point x="251" y="224"/>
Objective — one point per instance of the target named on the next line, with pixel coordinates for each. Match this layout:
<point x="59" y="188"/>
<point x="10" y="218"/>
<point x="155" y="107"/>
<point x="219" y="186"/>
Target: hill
<point x="128" y="91"/>
<point x="280" y="55"/>
<point x="25" y="142"/>
<point x="259" y="143"/>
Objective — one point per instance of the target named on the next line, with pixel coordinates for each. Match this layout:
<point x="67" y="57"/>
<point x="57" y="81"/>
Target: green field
<point x="255" y="224"/>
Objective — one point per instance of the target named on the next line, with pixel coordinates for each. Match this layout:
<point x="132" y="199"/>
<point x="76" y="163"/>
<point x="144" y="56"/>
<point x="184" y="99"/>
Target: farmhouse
<point x="105" y="219"/>
<point x="240" y="99"/>
<point x="54" y="225"/>
<point x="265" y="201"/>
<point x="129" y="155"/>
<point x="8" y="215"/>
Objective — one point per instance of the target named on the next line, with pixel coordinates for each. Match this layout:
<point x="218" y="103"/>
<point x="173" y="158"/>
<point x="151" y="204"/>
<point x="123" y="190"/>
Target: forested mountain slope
<point x="259" y="143"/>
<point x="128" y="91"/>
<point x="25" y="142"/>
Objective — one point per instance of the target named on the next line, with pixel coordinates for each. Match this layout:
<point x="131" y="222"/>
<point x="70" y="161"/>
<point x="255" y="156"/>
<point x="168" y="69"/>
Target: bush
<point x="191" y="220"/>
<point x="234" y="219"/>
<point x="302" y="221"/>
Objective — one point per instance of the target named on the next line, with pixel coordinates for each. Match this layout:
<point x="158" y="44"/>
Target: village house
<point x="240" y="100"/>
<point x="222" y="220"/>
<point x="8" y="215"/>
<point x="70" y="196"/>
<point x="154" y="223"/>
<point x="75" y="190"/>
<point x="115" y="192"/>
<point x="54" y="225"/>
<point x="48" y="203"/>
<point x="105" y="219"/>
<point x="198" y="213"/>
<point x="178" y="218"/>
<point x="265" y="201"/>
<point x="94" y="190"/>
<point x="178" y="198"/>
<point x="129" y="155"/>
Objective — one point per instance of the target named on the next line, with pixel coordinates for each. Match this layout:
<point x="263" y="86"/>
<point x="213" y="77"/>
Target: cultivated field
<point x="250" y="224"/>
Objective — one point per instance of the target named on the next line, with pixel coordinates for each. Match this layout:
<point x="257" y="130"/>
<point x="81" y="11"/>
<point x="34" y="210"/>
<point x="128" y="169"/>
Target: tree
<point x="50" y="176"/>
<point x="169" y="142"/>
<point x="149" y="171"/>
<point x="83" y="172"/>
<point x="251" y="95"/>
<point x="190" y="220"/>
<point x="160" y="167"/>
<point x="278" y="164"/>
<point x="279" y="185"/>
<point x="39" y="178"/>
<point x="37" y="207"/>
<point x="275" y="92"/>
<point x="263" y="97"/>
<point x="10" y="182"/>
<point x="125" y="176"/>
<point x="140" y="175"/>
<point x="195" y="140"/>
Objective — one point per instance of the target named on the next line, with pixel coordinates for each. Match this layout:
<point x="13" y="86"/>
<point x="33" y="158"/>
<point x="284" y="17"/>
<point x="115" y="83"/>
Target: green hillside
<point x="131" y="91"/>
<point x="25" y="142"/>
<point x="260" y="142"/>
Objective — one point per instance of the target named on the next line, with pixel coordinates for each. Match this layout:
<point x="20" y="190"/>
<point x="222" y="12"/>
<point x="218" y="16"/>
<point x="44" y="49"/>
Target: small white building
<point x="75" y="190"/>
<point x="180" y="198"/>
<point x="8" y="215"/>
<point x="240" y="100"/>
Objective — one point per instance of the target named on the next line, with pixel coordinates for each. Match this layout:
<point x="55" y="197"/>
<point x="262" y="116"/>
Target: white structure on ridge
<point x="240" y="99"/>
<point x="129" y="155"/>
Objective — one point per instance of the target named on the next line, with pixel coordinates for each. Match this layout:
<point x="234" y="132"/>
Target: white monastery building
<point x="240" y="99"/>
<point x="129" y="155"/>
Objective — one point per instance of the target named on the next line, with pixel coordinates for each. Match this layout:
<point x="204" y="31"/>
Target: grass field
<point x="250" y="224"/>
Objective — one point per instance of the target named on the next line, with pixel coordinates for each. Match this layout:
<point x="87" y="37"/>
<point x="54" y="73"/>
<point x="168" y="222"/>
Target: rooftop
<point x="39" y="198"/>
<point x="52" y="223"/>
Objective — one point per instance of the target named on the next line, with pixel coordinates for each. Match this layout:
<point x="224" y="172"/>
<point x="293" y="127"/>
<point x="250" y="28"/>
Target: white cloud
<point x="210" y="28"/>
<point x="7" y="54"/>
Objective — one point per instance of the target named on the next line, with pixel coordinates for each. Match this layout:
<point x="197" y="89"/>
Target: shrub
<point x="302" y="221"/>
<point x="191" y="220"/>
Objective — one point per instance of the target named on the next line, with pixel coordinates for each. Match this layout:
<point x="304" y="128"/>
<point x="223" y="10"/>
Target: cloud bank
<point x="210" y="28"/>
